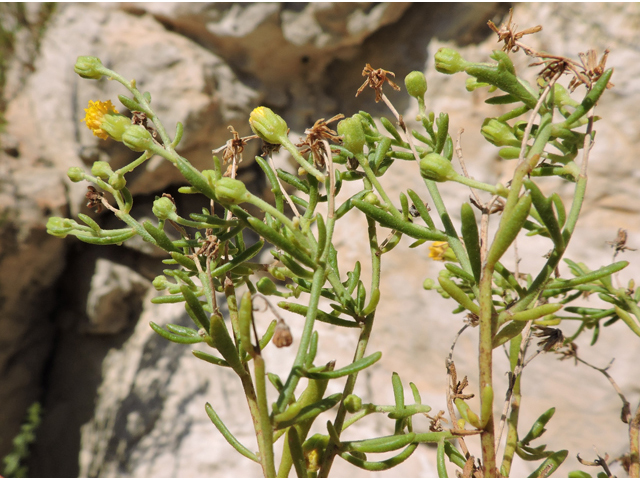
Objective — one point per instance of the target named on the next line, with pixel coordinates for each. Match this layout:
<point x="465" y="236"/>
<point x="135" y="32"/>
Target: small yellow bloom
<point x="437" y="251"/>
<point x="95" y="116"/>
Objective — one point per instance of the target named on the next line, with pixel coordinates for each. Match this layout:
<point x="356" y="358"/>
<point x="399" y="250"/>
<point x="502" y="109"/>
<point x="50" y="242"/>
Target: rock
<point x="115" y="295"/>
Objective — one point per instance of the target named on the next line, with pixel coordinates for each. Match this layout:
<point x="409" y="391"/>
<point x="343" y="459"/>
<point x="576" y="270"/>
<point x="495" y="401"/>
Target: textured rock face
<point x="118" y="399"/>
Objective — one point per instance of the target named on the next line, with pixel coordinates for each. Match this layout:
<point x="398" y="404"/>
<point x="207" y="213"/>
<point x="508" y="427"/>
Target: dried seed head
<point x="282" y="336"/>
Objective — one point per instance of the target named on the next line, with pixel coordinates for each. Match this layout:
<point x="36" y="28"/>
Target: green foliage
<point x="14" y="462"/>
<point x="504" y="304"/>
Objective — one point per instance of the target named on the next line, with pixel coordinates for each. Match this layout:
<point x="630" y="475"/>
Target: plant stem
<point x="331" y="449"/>
<point x="264" y="430"/>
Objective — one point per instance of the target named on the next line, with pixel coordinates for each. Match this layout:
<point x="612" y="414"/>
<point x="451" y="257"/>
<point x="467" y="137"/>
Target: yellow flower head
<point x="438" y="250"/>
<point x="95" y="116"/>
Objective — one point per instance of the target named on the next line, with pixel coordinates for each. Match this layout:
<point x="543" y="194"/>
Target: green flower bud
<point x="115" y="125"/>
<point x="88" y="67"/>
<point x="353" y="134"/>
<point x="117" y="181"/>
<point x="164" y="208"/>
<point x="266" y="286"/>
<point x="499" y="133"/>
<point x="137" y="138"/>
<point x="416" y="84"/>
<point x="429" y="284"/>
<point x="160" y="282"/>
<point x="75" y="174"/>
<point x="267" y="125"/>
<point x="449" y="61"/>
<point x="60" y="227"/>
<point x="437" y="168"/>
<point x="372" y="199"/>
<point x="102" y="170"/>
<point x="230" y="190"/>
<point x="352" y="403"/>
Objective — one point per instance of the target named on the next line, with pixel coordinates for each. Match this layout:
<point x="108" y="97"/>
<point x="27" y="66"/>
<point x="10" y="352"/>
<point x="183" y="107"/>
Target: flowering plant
<point x="506" y="306"/>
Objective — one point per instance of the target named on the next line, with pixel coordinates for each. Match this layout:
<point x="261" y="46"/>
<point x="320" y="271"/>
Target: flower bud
<point x="60" y="227"/>
<point x="137" y="138"/>
<point x="101" y="169"/>
<point x="429" y="284"/>
<point x="267" y="125"/>
<point x="372" y="199"/>
<point x="499" y="133"/>
<point x="437" y="168"/>
<point x="115" y="125"/>
<point x="75" y="174"/>
<point x="117" y="181"/>
<point x="416" y="84"/>
<point x="160" y="282"/>
<point x="230" y="190"/>
<point x="88" y="67"/>
<point x="449" y="61"/>
<point x="164" y="208"/>
<point x="266" y="286"/>
<point x="352" y="403"/>
<point x="353" y="134"/>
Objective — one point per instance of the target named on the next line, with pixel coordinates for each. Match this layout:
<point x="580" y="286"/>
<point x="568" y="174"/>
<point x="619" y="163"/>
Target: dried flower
<point x="620" y="243"/>
<point x="315" y="135"/>
<point x="507" y="33"/>
<point x="375" y="79"/>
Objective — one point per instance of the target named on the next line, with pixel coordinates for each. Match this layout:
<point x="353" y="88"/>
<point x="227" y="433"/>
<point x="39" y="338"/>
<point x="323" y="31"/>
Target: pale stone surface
<point x="132" y="404"/>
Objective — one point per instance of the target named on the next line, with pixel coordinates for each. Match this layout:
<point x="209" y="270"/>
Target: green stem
<point x="264" y="431"/>
<point x="298" y="363"/>
<point x="364" y="163"/>
<point x="332" y="449"/>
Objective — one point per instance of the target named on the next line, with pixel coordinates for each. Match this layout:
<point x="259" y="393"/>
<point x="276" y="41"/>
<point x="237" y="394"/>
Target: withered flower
<point x="620" y="243"/>
<point x="375" y="79"/>
<point x="591" y="70"/>
<point x="235" y="146"/>
<point x="315" y="135"/>
<point x="436" y="422"/>
<point x="507" y="33"/>
<point x="282" y="336"/>
<point x="552" y="338"/>
<point x="95" y="199"/>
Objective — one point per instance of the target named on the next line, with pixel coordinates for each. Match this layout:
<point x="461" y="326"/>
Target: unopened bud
<point x="230" y="190"/>
<point x="164" y="208"/>
<point x="88" y="67"/>
<point x="268" y="125"/>
<point x="449" y="61"/>
<point x="353" y="134"/>
<point x="437" y="168"/>
<point x="416" y="84"/>
<point x="75" y="174"/>
<point x="137" y="138"/>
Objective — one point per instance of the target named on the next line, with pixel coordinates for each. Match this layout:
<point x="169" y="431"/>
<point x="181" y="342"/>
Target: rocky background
<point x="119" y="400"/>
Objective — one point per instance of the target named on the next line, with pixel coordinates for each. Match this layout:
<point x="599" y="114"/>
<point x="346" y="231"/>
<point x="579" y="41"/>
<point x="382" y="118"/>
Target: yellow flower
<point x="438" y="251"/>
<point x="95" y="117"/>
